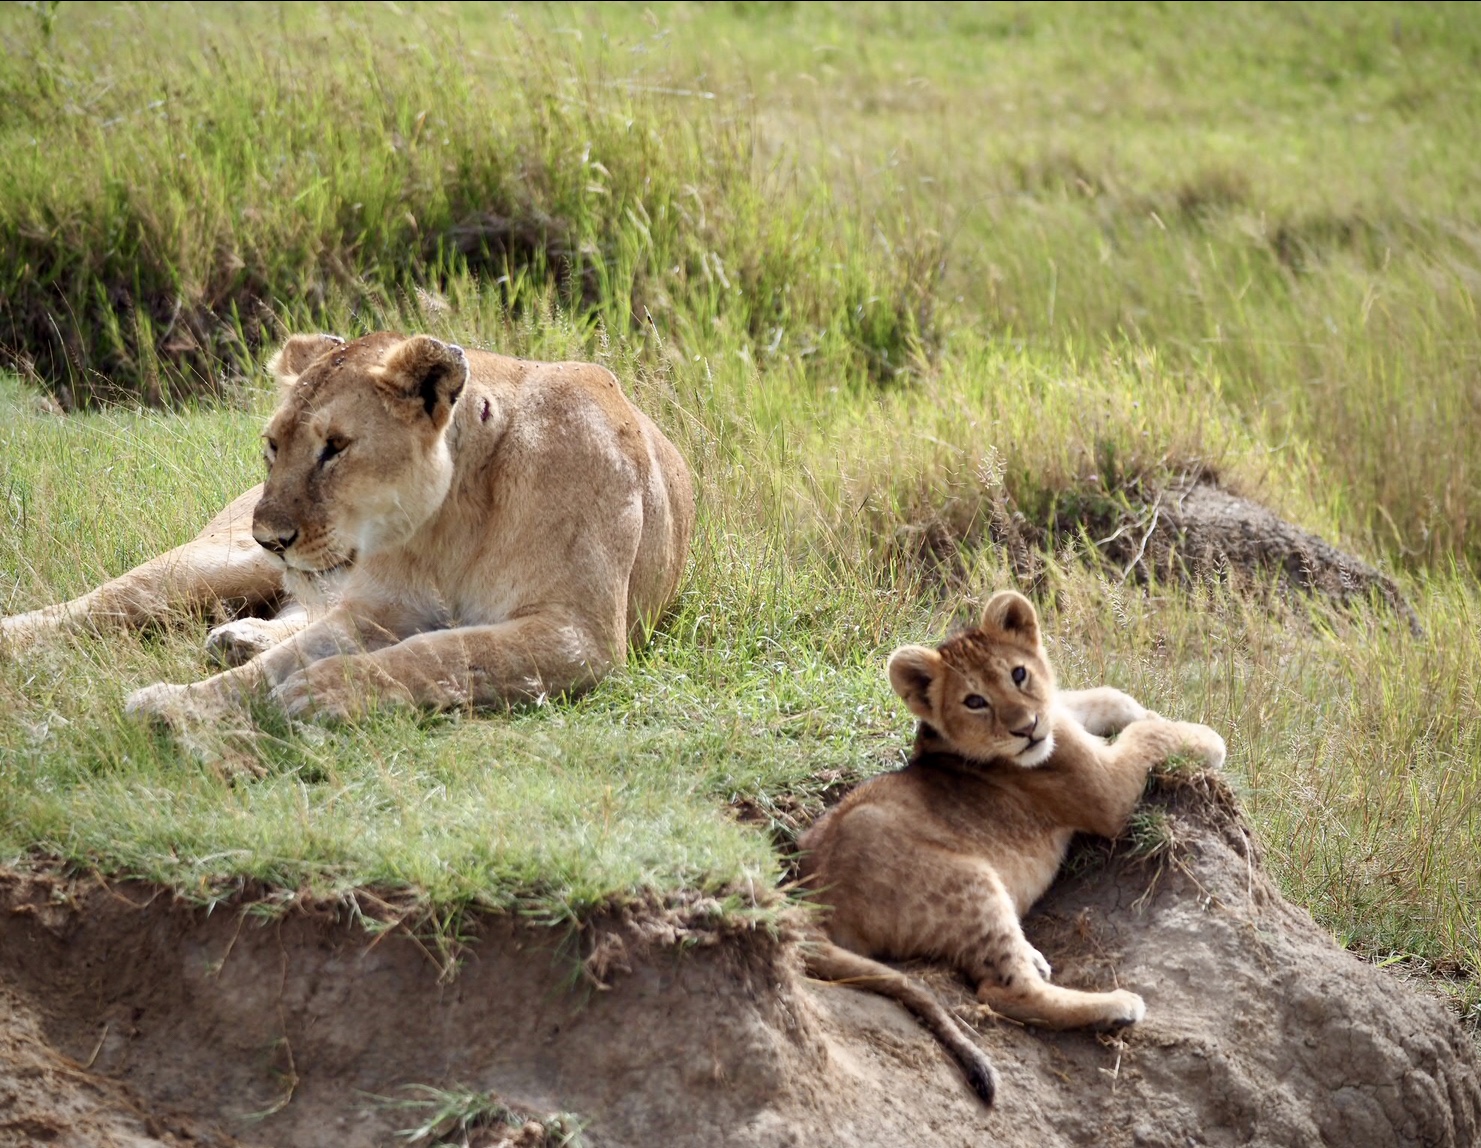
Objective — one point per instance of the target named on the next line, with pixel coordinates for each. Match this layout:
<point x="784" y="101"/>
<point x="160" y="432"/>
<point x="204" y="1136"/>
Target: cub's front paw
<point x="1122" y="1008"/>
<point x="1202" y="740"/>
<point x="1041" y="964"/>
<point x="1118" y="710"/>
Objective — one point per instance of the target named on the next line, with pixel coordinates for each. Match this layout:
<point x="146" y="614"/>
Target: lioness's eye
<point x="1020" y="675"/>
<point x="269" y="450"/>
<point x="332" y="446"/>
<point x="974" y="702"/>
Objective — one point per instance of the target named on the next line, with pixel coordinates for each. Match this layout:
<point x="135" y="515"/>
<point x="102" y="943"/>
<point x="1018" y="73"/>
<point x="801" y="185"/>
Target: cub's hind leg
<point x="1012" y="976"/>
<point x="956" y="908"/>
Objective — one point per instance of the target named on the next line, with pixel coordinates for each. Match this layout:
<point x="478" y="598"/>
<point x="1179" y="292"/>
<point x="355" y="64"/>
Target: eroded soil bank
<point x="127" y="1019"/>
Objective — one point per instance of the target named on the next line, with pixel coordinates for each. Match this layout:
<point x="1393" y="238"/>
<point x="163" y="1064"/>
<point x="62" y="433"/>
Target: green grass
<point x="888" y="276"/>
<point x="182" y="196"/>
<point x="445" y="1113"/>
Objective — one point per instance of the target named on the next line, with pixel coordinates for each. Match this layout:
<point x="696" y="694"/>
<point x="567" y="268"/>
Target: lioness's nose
<point x="275" y="540"/>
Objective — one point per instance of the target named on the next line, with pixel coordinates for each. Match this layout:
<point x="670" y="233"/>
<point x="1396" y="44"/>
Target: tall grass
<point x="175" y="199"/>
<point x="1282" y="196"/>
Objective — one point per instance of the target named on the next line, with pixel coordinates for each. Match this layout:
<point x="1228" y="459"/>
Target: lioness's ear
<point x="1013" y="614"/>
<point x="295" y="356"/>
<point x="912" y="669"/>
<point x="427" y="372"/>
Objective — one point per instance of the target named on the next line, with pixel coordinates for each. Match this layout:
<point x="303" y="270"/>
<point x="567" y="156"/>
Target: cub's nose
<point x="276" y="541"/>
<point x="1022" y="731"/>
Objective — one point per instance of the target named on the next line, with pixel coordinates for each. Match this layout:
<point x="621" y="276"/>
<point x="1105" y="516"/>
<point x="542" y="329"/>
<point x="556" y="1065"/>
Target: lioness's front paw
<point x="1122" y="1008"/>
<point x="308" y="696"/>
<point x="339" y="688"/>
<point x="322" y="692"/>
<point x="18" y="632"/>
<point x="176" y="706"/>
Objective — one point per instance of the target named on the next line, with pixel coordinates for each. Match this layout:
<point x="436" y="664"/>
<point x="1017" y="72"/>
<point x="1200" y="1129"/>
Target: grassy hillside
<point x="889" y="275"/>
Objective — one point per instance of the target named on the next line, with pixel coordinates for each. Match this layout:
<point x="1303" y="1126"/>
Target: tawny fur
<point x="464" y="529"/>
<point x="940" y="860"/>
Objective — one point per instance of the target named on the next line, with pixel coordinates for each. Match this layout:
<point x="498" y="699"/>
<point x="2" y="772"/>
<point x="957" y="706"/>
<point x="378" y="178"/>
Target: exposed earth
<point x="127" y="1018"/>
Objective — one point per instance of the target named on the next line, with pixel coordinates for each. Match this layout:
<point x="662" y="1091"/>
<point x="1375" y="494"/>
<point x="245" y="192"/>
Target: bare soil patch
<point x="127" y="1018"/>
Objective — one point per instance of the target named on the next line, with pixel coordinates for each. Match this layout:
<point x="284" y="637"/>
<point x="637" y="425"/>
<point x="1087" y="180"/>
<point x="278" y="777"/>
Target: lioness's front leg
<point x="521" y="660"/>
<point x="342" y="631"/>
<point x="222" y="566"/>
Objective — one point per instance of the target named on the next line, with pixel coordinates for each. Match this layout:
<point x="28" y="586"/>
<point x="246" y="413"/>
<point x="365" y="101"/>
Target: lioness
<point x="458" y="528"/>
<point x="942" y="858"/>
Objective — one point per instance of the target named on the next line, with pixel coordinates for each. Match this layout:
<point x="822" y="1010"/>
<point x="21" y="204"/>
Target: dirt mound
<point x="220" y="1029"/>
<point x="1198" y="530"/>
<point x="1186" y="531"/>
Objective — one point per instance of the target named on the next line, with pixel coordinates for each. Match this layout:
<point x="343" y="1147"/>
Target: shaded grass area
<point x="893" y="278"/>
<point x="177" y="194"/>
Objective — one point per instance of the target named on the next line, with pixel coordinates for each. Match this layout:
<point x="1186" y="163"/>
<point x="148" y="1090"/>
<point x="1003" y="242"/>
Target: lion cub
<point x="942" y="858"/>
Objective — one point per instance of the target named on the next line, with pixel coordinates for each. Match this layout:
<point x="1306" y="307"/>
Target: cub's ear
<point x="1011" y="613"/>
<point x="295" y="356"/>
<point x="426" y="374"/>
<point x="912" y="670"/>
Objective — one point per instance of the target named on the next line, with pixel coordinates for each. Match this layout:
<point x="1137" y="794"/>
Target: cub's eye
<point x="1020" y="675"/>
<point x="333" y="445"/>
<point x="269" y="450"/>
<point x="975" y="702"/>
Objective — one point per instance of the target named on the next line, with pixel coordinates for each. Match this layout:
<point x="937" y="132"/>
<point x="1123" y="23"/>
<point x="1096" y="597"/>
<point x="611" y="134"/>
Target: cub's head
<point x="987" y="692"/>
<point x="357" y="457"/>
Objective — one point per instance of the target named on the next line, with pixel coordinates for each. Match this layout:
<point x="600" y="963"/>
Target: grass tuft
<point x="456" y="1115"/>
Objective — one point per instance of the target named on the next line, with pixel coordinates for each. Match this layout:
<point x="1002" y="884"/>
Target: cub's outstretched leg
<point x="1012" y="977"/>
<point x="1107" y="781"/>
<point x="1102" y="710"/>
<point x="222" y="566"/>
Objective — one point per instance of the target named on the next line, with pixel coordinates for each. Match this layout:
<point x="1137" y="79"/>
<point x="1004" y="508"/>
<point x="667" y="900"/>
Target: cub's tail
<point x="829" y="962"/>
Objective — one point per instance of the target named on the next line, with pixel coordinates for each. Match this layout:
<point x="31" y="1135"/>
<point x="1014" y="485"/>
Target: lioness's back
<point x="588" y="398"/>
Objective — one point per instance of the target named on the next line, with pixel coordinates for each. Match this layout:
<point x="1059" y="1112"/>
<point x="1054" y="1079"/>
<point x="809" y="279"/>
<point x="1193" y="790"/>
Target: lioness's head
<point x="987" y="691"/>
<point x="356" y="452"/>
